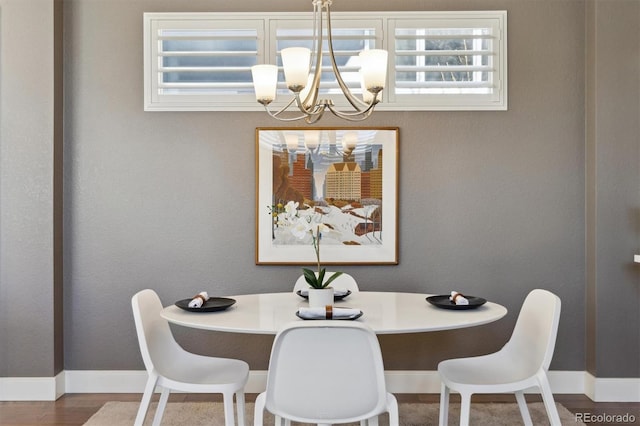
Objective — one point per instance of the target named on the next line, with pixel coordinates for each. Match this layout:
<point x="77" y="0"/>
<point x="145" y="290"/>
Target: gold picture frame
<point x="333" y="175"/>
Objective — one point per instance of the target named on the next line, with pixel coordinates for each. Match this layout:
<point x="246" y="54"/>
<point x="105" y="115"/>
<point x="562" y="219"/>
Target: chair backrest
<point x="326" y="372"/>
<point x="343" y="282"/>
<point x="157" y="345"/>
<point x="534" y="335"/>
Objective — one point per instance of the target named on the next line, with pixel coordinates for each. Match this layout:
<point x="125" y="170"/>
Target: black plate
<point x="211" y="305"/>
<point x="341" y="319"/>
<point x="335" y="296"/>
<point x="444" y="302"/>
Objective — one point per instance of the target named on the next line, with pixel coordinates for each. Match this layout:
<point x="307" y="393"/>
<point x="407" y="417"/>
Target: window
<point x="448" y="61"/>
<point x="196" y="62"/>
<point x="437" y="60"/>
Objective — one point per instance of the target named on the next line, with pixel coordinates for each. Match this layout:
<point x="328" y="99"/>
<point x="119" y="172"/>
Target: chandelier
<point x="303" y="70"/>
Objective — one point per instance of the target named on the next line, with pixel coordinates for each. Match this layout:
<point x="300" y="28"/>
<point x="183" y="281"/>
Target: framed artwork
<point x="343" y="178"/>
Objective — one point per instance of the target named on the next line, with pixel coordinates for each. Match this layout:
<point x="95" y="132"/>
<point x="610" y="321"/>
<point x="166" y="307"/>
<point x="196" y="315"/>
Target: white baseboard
<point x="567" y="382"/>
<point x="106" y="381"/>
<point x="612" y="390"/>
<point x="398" y="381"/>
<point x="405" y="381"/>
<point x="32" y="388"/>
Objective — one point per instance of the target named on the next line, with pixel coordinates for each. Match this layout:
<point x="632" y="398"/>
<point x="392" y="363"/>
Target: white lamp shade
<point x="291" y="140"/>
<point x="265" y="81"/>
<point x="374" y="68"/>
<point x="311" y="138"/>
<point x="367" y="96"/>
<point x="295" y="61"/>
<point x="349" y="140"/>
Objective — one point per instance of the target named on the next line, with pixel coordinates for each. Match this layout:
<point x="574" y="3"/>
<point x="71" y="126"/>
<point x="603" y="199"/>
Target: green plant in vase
<point x="302" y="227"/>
<point x="316" y="280"/>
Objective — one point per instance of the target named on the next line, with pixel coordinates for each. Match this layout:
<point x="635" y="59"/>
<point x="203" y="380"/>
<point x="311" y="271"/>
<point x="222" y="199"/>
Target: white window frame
<point x="266" y="24"/>
<point x="494" y="22"/>
<point x="155" y="99"/>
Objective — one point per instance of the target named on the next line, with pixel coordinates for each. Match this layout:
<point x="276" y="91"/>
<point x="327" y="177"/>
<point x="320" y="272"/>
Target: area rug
<point x="411" y="414"/>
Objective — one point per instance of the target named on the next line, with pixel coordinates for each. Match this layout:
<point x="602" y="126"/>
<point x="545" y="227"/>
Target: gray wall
<point x="490" y="202"/>
<point x="613" y="176"/>
<point x="30" y="189"/>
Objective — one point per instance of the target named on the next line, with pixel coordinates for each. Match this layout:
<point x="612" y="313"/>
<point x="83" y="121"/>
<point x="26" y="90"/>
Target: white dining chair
<point x="170" y="367"/>
<point x="343" y="282"/>
<point x="521" y="364"/>
<point x="326" y="372"/>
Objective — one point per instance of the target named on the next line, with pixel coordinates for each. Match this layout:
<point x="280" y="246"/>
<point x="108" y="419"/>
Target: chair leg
<point x="547" y="397"/>
<point x="240" y="407"/>
<point x="444" y="405"/>
<point x="465" y="408"/>
<point x="229" y="418"/>
<point x="258" y="412"/>
<point x="392" y="409"/>
<point x="162" y="404"/>
<point x="146" y="399"/>
<point x="372" y="421"/>
<point x="280" y="421"/>
<point x="524" y="411"/>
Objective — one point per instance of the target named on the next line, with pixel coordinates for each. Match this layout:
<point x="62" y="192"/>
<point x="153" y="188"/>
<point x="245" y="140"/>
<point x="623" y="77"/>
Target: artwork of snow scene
<point x="328" y="177"/>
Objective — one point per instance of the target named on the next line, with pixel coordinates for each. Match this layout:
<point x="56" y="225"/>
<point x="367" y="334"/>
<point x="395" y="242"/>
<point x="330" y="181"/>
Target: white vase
<point x="320" y="297"/>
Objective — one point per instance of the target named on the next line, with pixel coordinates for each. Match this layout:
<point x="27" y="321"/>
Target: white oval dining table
<point x="384" y="312"/>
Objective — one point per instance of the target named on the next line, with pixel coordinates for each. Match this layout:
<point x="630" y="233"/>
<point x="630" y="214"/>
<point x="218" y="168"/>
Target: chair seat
<point x="205" y="371"/>
<point x="489" y="370"/>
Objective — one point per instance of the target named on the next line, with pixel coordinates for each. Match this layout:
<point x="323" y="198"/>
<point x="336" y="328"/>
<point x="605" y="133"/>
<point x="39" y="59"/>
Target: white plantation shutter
<point x="196" y="61"/>
<point x="437" y="60"/>
<point x="445" y="61"/>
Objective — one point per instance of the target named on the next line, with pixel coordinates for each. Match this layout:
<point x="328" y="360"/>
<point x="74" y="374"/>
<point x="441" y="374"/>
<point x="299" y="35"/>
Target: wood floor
<point x="75" y="409"/>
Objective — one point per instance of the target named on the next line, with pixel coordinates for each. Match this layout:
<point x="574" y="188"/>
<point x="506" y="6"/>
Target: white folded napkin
<point x="199" y="299"/>
<point x="336" y="292"/>
<point x="458" y="298"/>
<point x="323" y="313"/>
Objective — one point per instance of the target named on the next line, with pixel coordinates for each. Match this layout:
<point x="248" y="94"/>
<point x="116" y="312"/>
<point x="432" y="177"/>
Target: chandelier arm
<point x="354" y="116"/>
<point x="311" y="119"/>
<point x="284" y="108"/>
<point x="307" y="114"/>
<point x="312" y="96"/>
<point x="355" y="102"/>
<point x="296" y="98"/>
<point x="311" y="110"/>
<point x="276" y="114"/>
<point x="277" y="117"/>
<point x="315" y="29"/>
<point x="358" y="113"/>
